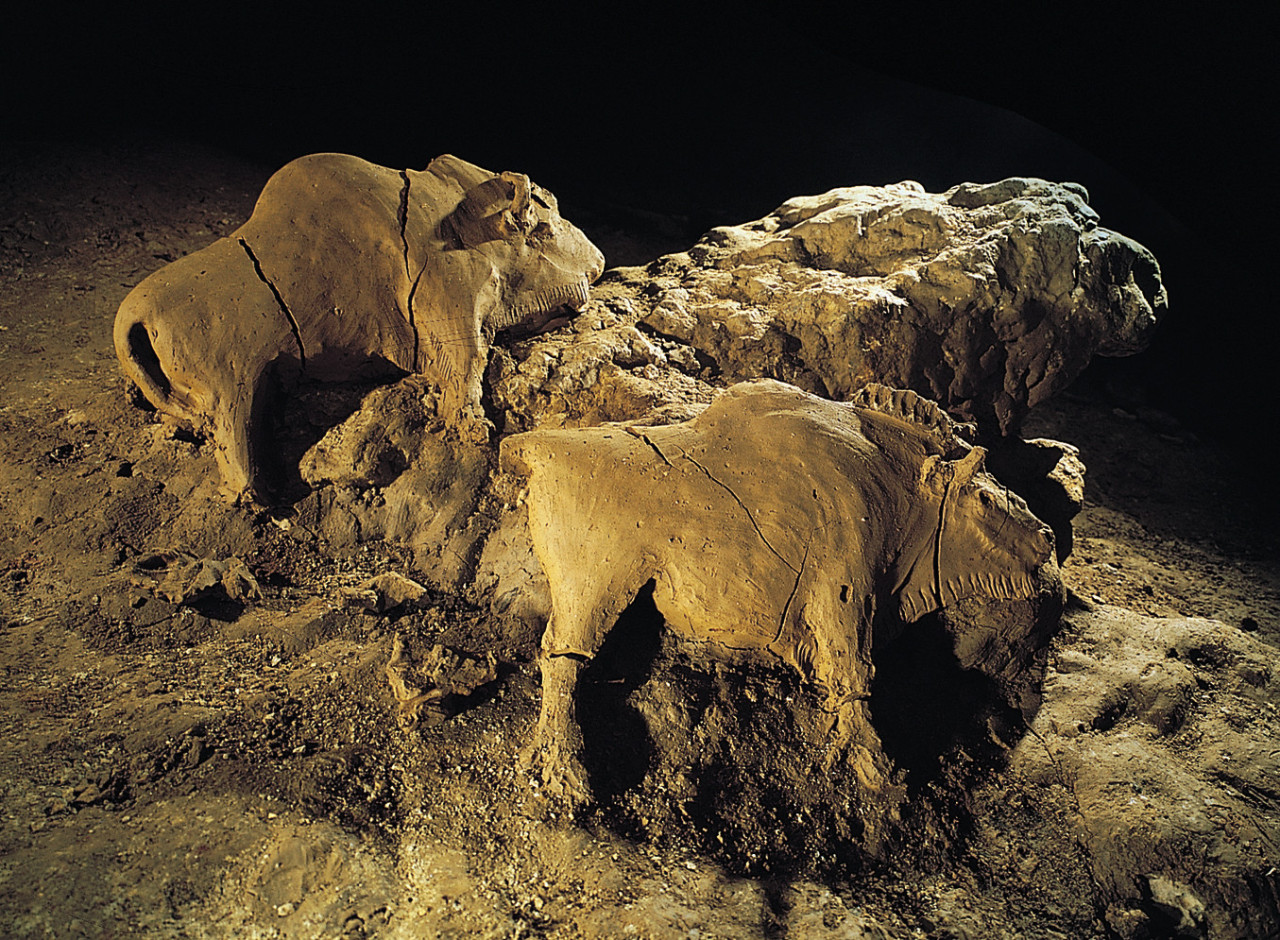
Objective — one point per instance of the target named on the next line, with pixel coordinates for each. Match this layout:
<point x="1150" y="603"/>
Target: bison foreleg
<point x="555" y="756"/>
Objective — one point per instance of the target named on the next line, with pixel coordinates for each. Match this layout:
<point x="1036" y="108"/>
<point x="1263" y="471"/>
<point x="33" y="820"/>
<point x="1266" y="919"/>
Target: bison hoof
<point x="560" y="775"/>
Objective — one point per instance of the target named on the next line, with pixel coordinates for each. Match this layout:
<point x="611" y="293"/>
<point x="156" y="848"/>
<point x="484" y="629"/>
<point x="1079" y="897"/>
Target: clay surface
<point x="348" y="270"/>
<point x="775" y="524"/>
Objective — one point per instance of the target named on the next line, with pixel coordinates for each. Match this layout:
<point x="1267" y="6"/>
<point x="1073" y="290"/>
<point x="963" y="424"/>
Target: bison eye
<point x="511" y="224"/>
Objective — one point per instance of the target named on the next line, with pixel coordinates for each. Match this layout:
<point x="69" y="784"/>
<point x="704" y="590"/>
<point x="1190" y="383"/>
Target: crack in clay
<point x="937" y="545"/>
<point x="782" y="621"/>
<point x="417" y="362"/>
<point x="657" y="450"/>
<point x="284" y="307"/>
<point x="750" y="518"/>
<point x="403" y="214"/>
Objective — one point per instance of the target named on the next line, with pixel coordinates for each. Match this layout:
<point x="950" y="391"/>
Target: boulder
<point x="986" y="298"/>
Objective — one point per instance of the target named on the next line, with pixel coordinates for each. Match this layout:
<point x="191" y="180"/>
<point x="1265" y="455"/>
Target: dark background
<point x="707" y="115"/>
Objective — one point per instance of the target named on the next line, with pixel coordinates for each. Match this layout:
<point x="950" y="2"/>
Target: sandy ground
<point x="171" y="770"/>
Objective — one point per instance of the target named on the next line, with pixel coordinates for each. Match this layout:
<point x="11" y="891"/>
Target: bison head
<point x="538" y="266"/>
<point x="967" y="534"/>
<point x="988" y="542"/>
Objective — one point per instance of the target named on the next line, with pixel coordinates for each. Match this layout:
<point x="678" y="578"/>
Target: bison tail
<point x="138" y="356"/>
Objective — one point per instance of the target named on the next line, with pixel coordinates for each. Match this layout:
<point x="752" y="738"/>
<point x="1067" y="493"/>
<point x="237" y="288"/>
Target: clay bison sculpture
<point x="348" y="270"/>
<point x="775" y="524"/>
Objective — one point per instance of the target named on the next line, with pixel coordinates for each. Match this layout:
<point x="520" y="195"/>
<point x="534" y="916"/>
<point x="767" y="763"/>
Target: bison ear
<point x="522" y="197"/>
<point x="499" y="209"/>
<point x="935" y="474"/>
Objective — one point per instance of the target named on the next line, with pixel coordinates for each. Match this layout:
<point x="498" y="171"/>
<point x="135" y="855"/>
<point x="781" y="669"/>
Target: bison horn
<point x="969" y="466"/>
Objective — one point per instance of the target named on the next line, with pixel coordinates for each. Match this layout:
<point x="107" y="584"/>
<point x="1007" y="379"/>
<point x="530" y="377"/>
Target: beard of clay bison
<point x="349" y="271"/>
<point x="776" y="525"/>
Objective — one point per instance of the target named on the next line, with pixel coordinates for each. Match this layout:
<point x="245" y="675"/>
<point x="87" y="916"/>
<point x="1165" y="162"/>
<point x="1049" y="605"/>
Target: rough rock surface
<point x="348" y="270"/>
<point x="986" y="298"/>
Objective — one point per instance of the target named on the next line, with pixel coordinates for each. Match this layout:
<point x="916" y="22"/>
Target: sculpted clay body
<point x="775" y="524"/>
<point x="348" y="270"/>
